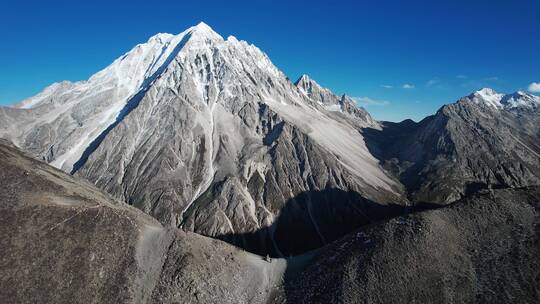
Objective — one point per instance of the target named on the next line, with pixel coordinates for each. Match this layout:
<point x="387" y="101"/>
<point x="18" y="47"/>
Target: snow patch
<point x="489" y="97"/>
<point x="341" y="139"/>
<point x="128" y="76"/>
<point x="333" y="108"/>
<point x="499" y="101"/>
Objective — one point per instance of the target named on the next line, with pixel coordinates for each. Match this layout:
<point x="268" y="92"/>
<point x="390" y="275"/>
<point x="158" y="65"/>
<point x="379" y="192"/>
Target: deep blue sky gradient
<point x="444" y="50"/>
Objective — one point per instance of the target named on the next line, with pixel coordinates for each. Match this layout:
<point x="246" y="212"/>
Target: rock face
<point x="64" y="241"/>
<point x="205" y="133"/>
<point x="331" y="102"/>
<point x="485" y="140"/>
<point x="483" y="249"/>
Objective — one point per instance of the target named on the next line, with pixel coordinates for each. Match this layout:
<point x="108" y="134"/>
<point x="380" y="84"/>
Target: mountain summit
<point x="204" y="134"/>
<point x="496" y="100"/>
<point x="208" y="134"/>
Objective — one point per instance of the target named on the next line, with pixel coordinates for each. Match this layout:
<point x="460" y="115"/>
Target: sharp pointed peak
<point x="302" y="78"/>
<point x="200" y="29"/>
<point x="486" y="91"/>
<point x="487" y="96"/>
<point x="204" y="30"/>
<point x="305" y="79"/>
<point x="203" y="26"/>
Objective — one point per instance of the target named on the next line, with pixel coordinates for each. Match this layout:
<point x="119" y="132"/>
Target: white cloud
<point x="534" y="87"/>
<point x="433" y="82"/>
<point x="408" y="86"/>
<point x="386" y="86"/>
<point x="494" y="78"/>
<point x="366" y="101"/>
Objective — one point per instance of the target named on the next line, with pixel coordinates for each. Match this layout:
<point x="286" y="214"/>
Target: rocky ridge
<point x="206" y="134"/>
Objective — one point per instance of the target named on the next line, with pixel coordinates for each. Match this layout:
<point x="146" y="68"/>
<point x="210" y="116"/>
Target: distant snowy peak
<point x="334" y="103"/>
<point x="487" y="96"/>
<point x="521" y="100"/>
<point x="309" y="86"/>
<point x="311" y="89"/>
<point x="491" y="98"/>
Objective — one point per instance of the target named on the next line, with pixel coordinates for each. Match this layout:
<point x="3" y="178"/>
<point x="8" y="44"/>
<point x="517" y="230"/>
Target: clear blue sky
<point x="444" y="50"/>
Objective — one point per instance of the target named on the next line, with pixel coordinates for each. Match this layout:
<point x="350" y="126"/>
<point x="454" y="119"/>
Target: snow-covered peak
<point x="487" y="96"/>
<point x="303" y="79"/>
<point x="520" y="99"/>
<point x="201" y="26"/>
<point x="491" y="98"/>
<point x="309" y="86"/>
<point x="195" y="72"/>
<point x="204" y="32"/>
<point x="487" y="91"/>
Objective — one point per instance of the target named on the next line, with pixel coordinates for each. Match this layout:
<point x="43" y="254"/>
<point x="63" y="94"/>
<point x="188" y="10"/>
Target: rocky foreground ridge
<point x="65" y="241"/>
<point x="192" y="136"/>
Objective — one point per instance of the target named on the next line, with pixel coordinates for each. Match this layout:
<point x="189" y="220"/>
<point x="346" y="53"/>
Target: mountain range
<point x="207" y="138"/>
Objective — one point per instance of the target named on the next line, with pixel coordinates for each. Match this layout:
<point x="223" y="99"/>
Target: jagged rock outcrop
<point x="485" y="140"/>
<point x="331" y="102"/>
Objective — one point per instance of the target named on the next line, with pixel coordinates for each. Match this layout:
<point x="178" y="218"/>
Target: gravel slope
<point x="483" y="249"/>
<point x="64" y="242"/>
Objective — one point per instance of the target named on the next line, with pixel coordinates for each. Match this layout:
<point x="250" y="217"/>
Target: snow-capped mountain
<point x="489" y="97"/>
<point x="485" y="140"/>
<point x="206" y="133"/>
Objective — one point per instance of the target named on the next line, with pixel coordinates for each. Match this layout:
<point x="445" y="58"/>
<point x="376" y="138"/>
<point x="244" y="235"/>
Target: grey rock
<point x="482" y="249"/>
<point x="180" y="116"/>
<point x="206" y="134"/>
<point x="65" y="241"/>
<point x="465" y="147"/>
